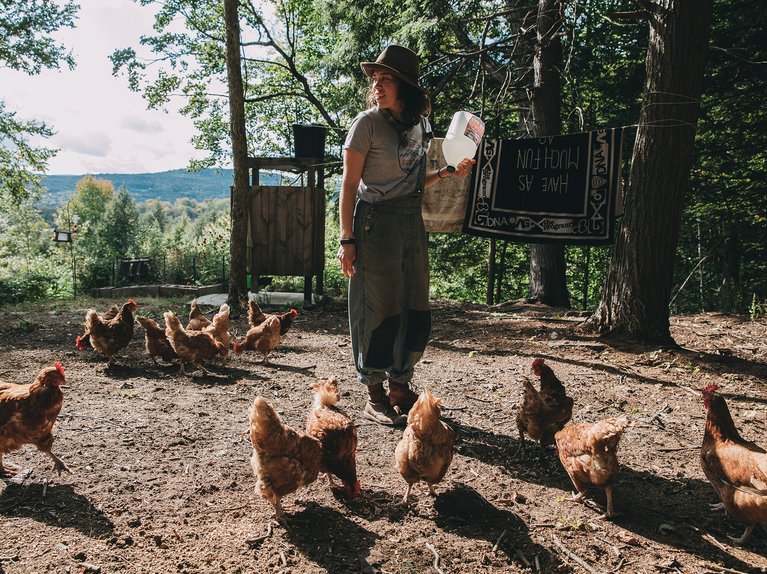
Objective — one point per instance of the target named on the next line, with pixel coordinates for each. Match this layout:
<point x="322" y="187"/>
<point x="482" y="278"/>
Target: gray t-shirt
<point x="392" y="169"/>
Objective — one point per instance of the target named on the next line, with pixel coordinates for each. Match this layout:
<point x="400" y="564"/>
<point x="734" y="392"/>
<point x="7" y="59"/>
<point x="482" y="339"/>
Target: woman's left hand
<point x="464" y="167"/>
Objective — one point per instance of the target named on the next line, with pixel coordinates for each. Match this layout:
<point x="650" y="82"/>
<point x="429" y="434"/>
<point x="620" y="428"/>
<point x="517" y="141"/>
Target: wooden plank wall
<point x="287" y="226"/>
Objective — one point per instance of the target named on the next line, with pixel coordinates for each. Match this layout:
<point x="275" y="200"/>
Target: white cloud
<point x="141" y="125"/>
<point x="101" y="126"/>
<point x="88" y="143"/>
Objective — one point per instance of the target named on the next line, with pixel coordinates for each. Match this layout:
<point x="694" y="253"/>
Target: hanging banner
<point x="558" y="189"/>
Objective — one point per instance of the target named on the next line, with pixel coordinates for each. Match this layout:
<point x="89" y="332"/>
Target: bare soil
<point x="161" y="480"/>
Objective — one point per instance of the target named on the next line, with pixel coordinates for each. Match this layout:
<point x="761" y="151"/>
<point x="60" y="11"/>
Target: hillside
<point x="165" y="185"/>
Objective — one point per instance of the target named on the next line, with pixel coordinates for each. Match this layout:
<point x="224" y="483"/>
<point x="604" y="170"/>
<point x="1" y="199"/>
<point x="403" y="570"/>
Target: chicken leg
<point x="746" y="535"/>
<point x="58" y="464"/>
<point x="406" y="499"/>
<point x="609" y="494"/>
<point x="7" y="470"/>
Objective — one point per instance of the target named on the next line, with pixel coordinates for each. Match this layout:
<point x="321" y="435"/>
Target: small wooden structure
<point x="287" y="223"/>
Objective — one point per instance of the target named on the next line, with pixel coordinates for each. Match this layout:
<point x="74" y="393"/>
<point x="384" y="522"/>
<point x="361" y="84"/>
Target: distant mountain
<point x="165" y="185"/>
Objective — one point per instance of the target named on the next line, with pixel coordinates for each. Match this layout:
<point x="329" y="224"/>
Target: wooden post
<point x="490" y="272"/>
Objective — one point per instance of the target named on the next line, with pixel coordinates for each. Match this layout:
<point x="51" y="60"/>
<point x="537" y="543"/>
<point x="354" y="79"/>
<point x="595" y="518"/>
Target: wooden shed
<point x="287" y="223"/>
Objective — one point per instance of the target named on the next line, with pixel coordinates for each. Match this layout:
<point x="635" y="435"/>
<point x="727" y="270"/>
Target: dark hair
<point x="415" y="103"/>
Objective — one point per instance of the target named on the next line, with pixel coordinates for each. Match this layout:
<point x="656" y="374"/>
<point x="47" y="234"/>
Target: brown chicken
<point x="157" y="343"/>
<point x="337" y="434"/>
<point x="197" y="319"/>
<point x="219" y="326"/>
<point x="191" y="346"/>
<point x="426" y="448"/>
<point x="27" y="414"/>
<point x="84" y="341"/>
<point x="283" y="460"/>
<point x="256" y="316"/>
<point x="263" y="338"/>
<point x="589" y="453"/>
<point x="543" y="412"/>
<point x="736" y="468"/>
<point x="111" y="336"/>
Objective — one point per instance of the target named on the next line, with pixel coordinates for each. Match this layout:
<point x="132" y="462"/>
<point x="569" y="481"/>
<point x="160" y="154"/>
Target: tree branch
<point x="622" y="18"/>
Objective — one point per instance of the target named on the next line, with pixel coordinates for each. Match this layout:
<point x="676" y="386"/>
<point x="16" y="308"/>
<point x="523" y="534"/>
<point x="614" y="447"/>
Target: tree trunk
<point x="548" y="277"/>
<point x="729" y="289"/>
<point x="635" y="300"/>
<point x="240" y="203"/>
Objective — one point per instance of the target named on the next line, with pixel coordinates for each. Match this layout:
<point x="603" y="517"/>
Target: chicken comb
<point x="60" y="369"/>
<point x="293" y="312"/>
<point x="132" y="302"/>
<point x="709" y="389"/>
<point x="538" y="362"/>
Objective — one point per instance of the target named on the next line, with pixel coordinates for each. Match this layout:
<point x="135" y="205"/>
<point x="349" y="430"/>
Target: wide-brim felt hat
<point x="400" y="61"/>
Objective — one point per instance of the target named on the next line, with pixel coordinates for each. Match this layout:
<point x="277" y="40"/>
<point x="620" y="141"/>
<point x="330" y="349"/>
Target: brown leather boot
<point x="379" y="410"/>
<point x="402" y="397"/>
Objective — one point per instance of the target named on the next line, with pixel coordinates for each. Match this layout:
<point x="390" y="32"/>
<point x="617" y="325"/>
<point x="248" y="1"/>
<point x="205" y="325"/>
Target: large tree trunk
<point x="548" y="278"/>
<point x="240" y="203"/>
<point x="635" y="300"/>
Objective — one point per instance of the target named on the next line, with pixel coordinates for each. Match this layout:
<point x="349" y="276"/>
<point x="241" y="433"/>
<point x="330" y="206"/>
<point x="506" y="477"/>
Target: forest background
<point x="300" y="65"/>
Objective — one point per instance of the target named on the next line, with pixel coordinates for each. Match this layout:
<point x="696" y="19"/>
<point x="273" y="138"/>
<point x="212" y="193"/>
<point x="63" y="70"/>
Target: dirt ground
<point x="161" y="480"/>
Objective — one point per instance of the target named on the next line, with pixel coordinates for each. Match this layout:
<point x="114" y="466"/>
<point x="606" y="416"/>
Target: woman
<point x="383" y="250"/>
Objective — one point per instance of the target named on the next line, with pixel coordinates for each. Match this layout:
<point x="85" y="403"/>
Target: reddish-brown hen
<point x="256" y="316"/>
<point x="197" y="319"/>
<point x="545" y="411"/>
<point x="219" y="326"/>
<point x="426" y="448"/>
<point x="263" y="338"/>
<point x="157" y="343"/>
<point x="110" y="336"/>
<point x="283" y="460"/>
<point x="589" y="453"/>
<point x="84" y="341"/>
<point x="191" y="346"/>
<point x="337" y="434"/>
<point x="27" y="414"/>
<point x="736" y="468"/>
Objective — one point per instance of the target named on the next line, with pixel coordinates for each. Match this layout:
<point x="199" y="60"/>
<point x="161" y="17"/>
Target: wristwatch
<point x="348" y="241"/>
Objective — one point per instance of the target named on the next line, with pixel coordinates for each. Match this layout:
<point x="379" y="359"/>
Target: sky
<point x="102" y="127"/>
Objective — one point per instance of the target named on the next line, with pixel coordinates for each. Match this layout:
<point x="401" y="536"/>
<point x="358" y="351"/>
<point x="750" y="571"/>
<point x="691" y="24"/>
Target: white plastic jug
<point x="463" y="137"/>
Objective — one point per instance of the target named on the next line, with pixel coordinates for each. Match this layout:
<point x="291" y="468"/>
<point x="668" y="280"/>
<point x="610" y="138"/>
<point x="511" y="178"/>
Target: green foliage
<point x="89" y="202"/>
<point x="25" y="34"/>
<point x="301" y="64"/>
<point x="20" y="161"/>
<point x="758" y="309"/>
<point x="458" y="267"/>
<point x="586" y="273"/>
<point x="26" y="44"/>
<point x="722" y="238"/>
<point x="118" y="228"/>
<point x="31" y="265"/>
<point x="16" y="288"/>
<point x="187" y="240"/>
<point x="334" y="281"/>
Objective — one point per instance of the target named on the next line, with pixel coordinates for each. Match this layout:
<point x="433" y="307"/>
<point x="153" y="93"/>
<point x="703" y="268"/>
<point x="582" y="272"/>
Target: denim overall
<point x="389" y="314"/>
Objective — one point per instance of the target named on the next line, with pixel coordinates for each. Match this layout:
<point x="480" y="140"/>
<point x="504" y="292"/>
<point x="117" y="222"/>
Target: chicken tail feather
<point x="424" y="414"/>
<point x="609" y="431"/>
<point x="266" y="428"/>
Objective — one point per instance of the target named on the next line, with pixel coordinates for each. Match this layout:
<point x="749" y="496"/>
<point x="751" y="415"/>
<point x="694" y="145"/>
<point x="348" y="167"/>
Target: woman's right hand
<point x="346" y="255"/>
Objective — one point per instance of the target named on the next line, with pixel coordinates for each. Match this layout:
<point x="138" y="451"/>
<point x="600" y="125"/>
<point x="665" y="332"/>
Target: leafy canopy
<point x="26" y="45"/>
